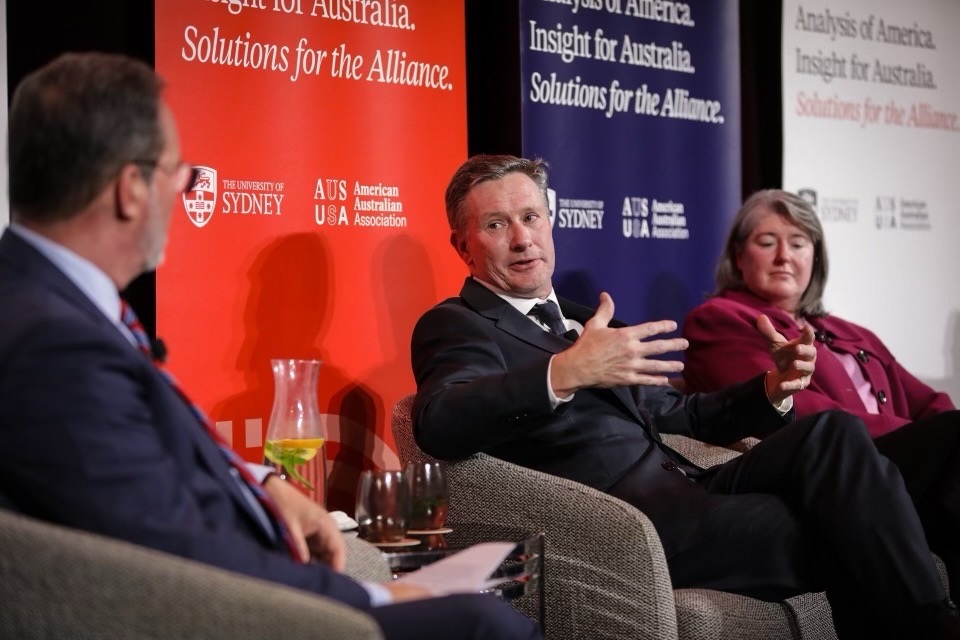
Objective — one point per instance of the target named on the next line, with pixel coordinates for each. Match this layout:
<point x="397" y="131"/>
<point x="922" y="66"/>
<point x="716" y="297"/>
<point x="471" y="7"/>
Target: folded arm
<point x="725" y="347"/>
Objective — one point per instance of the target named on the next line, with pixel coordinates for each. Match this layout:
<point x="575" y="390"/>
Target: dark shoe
<point x="938" y="622"/>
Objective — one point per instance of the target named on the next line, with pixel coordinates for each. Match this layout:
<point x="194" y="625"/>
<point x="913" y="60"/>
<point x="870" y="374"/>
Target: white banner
<point x="871" y="97"/>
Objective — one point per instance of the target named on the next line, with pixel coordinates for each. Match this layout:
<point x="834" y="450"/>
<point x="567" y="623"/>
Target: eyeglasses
<point x="185" y="175"/>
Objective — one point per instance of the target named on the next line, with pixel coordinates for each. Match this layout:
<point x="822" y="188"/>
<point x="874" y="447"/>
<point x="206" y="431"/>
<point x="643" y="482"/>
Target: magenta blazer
<point x="725" y="348"/>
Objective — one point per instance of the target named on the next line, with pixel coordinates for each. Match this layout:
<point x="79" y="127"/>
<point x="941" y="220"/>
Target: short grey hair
<point x="799" y="212"/>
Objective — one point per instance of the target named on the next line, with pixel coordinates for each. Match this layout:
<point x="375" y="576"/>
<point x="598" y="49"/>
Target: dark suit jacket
<point x="725" y="347"/>
<point x="93" y="437"/>
<point x="481" y="371"/>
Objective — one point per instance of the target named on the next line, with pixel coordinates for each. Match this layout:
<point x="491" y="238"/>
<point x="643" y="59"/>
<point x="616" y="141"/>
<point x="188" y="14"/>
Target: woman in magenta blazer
<point x="775" y="263"/>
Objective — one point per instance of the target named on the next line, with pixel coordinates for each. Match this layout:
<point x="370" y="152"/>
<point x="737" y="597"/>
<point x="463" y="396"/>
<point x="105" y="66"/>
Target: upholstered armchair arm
<point x="365" y="562"/>
<point x="703" y="454"/>
<point x="605" y="575"/>
<point x="62" y="583"/>
<point x="605" y="572"/>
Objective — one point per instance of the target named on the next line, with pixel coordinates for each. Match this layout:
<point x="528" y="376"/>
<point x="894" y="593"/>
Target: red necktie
<point x="132" y="322"/>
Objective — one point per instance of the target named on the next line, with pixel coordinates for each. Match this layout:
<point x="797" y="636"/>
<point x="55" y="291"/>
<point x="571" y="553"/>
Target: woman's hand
<point x="795" y="361"/>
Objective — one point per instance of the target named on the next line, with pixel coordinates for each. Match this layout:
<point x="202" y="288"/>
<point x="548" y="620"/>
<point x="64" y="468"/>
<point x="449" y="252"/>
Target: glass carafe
<point x="295" y="438"/>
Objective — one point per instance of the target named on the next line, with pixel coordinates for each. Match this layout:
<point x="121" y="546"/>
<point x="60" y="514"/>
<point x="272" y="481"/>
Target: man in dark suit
<point x="93" y="435"/>
<point x="812" y="506"/>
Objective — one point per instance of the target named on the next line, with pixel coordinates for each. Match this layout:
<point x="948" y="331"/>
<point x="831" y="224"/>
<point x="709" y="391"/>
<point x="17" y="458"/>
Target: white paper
<point x="344" y="522"/>
<point x="467" y="571"/>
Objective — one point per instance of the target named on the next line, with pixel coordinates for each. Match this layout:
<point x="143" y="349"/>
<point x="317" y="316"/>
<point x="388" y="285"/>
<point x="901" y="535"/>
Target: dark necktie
<point x="549" y="314"/>
<point x="132" y="322"/>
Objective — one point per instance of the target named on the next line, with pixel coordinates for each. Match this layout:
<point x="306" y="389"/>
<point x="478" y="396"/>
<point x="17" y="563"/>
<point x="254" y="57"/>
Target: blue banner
<point x="636" y="106"/>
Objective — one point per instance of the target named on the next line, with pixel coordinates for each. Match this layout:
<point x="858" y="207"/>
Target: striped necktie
<point x="132" y="322"/>
<point x="549" y="314"/>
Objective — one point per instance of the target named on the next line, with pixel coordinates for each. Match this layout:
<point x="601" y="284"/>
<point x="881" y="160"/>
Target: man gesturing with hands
<point x="608" y="357"/>
<point x="510" y="369"/>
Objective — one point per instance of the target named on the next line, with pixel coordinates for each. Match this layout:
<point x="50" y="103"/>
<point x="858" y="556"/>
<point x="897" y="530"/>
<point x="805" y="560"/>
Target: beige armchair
<point x="63" y="583"/>
<point x="605" y="573"/>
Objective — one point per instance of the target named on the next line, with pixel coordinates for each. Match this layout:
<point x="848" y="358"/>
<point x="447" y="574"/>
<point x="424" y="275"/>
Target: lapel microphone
<point x="158" y="350"/>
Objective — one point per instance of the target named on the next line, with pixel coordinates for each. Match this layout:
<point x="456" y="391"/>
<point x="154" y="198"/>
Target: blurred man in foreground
<point x="94" y="435"/>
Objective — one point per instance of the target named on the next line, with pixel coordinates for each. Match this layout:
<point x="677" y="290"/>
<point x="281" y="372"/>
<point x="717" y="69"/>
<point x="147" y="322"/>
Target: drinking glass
<point x="429" y="496"/>
<point x="383" y="506"/>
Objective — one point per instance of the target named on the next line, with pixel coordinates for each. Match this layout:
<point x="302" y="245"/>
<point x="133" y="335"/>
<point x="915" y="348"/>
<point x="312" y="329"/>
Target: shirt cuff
<point x="259" y="471"/>
<point x="554" y="400"/>
<point x="785" y="406"/>
<point x="379" y="594"/>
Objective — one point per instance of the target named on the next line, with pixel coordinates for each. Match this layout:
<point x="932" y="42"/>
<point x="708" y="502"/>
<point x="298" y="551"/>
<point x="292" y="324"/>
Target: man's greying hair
<point x="481" y="168"/>
<point x="799" y="212"/>
<point x="73" y="125"/>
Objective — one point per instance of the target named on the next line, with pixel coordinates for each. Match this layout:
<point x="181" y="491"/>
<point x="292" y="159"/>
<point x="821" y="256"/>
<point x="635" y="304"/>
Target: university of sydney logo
<point x="199" y="202"/>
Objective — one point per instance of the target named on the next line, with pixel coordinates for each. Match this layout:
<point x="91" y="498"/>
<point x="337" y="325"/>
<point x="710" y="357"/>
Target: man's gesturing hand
<point x="795" y="361"/>
<point x="609" y="357"/>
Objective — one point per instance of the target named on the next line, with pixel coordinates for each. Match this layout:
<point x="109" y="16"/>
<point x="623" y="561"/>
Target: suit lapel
<point x="508" y="319"/>
<point x="19" y="256"/>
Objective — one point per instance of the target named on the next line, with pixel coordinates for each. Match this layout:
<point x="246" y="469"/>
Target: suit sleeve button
<point x="669" y="465"/>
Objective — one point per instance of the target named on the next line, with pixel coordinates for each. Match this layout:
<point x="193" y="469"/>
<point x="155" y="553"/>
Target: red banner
<point x="325" y="132"/>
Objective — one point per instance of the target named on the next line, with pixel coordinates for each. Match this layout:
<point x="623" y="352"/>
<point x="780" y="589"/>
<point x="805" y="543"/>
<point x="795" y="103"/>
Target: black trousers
<point x="818" y="506"/>
<point x="927" y="453"/>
